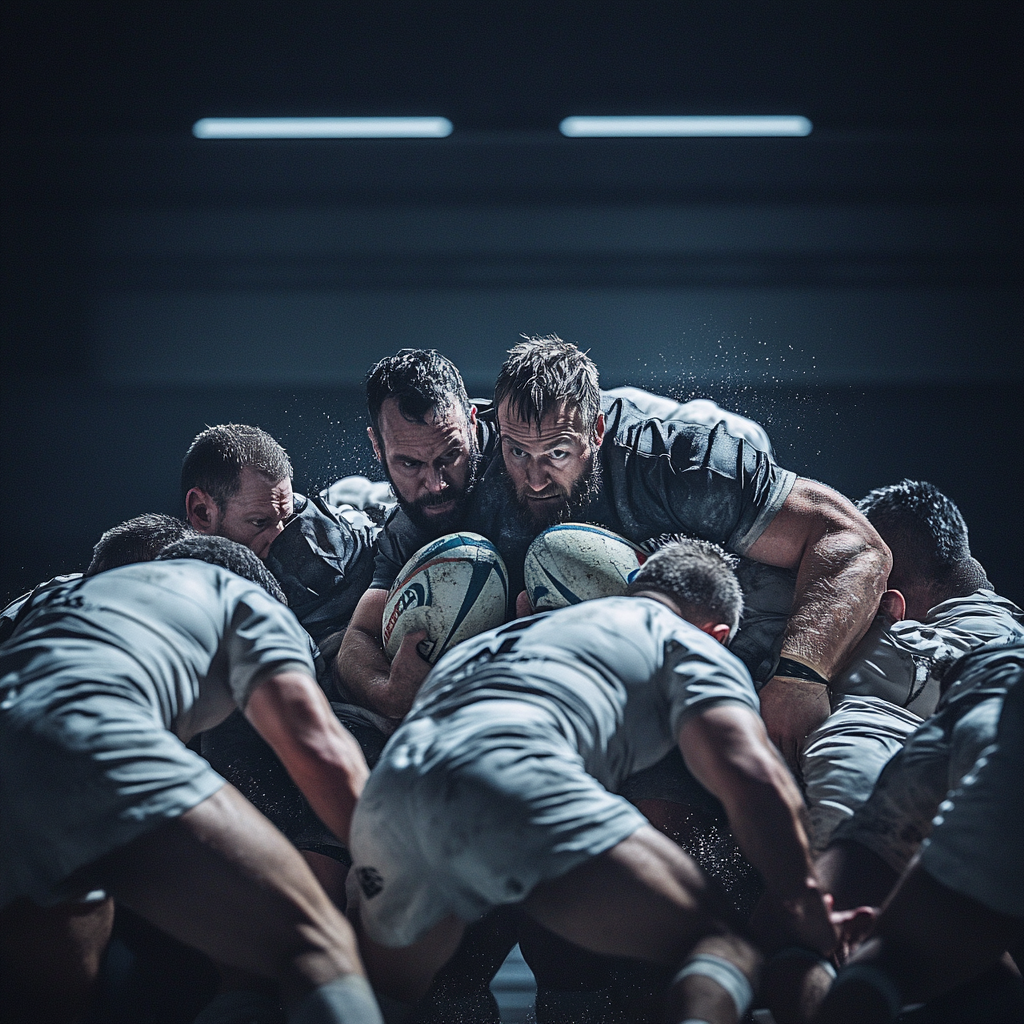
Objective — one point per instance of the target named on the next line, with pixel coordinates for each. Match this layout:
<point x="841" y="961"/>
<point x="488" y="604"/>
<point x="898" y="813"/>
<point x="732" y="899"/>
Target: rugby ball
<point x="454" y="588"/>
<point x="574" y="562"/>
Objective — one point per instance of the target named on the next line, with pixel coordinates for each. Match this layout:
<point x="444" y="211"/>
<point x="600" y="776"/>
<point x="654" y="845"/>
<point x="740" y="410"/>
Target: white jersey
<point x="889" y="687"/>
<point x="619" y="675"/>
<point x="100" y="685"/>
<point x="903" y="663"/>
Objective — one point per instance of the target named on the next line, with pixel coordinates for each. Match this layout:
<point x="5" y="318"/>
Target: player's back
<point x="181" y="636"/>
<point x="619" y="674"/>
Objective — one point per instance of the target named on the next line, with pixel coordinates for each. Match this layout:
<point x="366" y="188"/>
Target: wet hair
<point x="217" y="456"/>
<point x="922" y="527"/>
<point x="228" y="554"/>
<point x="699" y="576"/>
<point x="542" y="375"/>
<point x="136" y="540"/>
<point x="422" y="380"/>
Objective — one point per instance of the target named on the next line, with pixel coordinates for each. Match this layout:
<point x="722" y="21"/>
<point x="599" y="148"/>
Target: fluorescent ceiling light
<point x="322" y="128"/>
<point x="612" y="127"/>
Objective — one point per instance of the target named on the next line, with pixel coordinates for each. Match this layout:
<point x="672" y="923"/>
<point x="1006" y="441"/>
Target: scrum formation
<point x="590" y="672"/>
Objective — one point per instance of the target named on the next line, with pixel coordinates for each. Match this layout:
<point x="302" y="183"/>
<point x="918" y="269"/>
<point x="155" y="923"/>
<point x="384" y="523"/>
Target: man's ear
<point x="370" y="433"/>
<point x="472" y="415"/>
<point x="597" y="434"/>
<point x="202" y="510"/>
<point x="719" y="630"/>
<point x="893" y="606"/>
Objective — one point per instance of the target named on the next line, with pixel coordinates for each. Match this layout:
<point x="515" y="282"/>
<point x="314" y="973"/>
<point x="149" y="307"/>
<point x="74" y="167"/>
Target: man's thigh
<point x="221" y="878"/>
<point x="644" y="898"/>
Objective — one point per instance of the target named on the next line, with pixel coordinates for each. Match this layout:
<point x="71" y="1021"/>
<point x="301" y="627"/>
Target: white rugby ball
<point x="454" y="588"/>
<point x="574" y="562"/>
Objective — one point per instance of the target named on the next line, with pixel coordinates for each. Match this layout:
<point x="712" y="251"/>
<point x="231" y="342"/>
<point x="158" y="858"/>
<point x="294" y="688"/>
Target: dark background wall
<point x="857" y="290"/>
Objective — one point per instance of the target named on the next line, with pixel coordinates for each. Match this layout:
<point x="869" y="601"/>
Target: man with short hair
<point x="497" y="789"/>
<point x="236" y="482"/>
<point x="941" y="606"/>
<point x="135" y="540"/>
<point x="100" y="686"/>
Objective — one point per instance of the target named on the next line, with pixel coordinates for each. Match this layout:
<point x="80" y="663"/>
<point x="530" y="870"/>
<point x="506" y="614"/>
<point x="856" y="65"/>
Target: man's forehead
<point x="565" y="420"/>
<point x="256" y="489"/>
<point x="445" y="428"/>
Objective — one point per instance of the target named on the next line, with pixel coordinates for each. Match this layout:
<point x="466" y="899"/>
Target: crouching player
<point x="100" y="685"/>
<point x="497" y="789"/>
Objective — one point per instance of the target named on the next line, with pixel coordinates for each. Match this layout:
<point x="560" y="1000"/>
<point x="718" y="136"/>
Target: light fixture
<point x="622" y="127"/>
<point x="322" y="128"/>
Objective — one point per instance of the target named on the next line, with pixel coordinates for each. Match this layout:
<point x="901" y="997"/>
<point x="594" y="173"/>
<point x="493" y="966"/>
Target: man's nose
<point x="536" y="476"/>
<point x="435" y="480"/>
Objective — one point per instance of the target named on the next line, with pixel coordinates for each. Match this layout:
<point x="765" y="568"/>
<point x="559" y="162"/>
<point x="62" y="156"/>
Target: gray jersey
<point x="619" y="676"/>
<point x="658" y="476"/>
<point x="187" y="639"/>
<point x="499" y="777"/>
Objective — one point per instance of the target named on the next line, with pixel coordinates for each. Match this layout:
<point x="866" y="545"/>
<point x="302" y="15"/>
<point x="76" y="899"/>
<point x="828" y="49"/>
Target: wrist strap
<point x="798" y="670"/>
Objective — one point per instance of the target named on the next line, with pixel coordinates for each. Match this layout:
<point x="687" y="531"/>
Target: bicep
<point x="810" y="512"/>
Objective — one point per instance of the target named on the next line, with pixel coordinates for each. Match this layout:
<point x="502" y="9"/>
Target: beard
<point x="559" y="505"/>
<point x="438" y="524"/>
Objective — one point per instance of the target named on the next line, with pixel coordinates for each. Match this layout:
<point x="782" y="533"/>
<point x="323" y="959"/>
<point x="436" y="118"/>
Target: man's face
<point x="552" y="468"/>
<point x="254" y="515"/>
<point x="431" y="465"/>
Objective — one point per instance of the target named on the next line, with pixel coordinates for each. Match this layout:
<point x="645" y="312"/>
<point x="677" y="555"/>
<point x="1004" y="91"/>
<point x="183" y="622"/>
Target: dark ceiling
<point x="86" y="69"/>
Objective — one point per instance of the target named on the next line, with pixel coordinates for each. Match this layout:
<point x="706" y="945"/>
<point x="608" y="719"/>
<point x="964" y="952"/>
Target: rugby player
<point x="941" y="606"/>
<point x="101" y="685"/>
<point x="953" y="796"/>
<point x="236" y="482"/>
<point x="497" y="789"/>
<point x="434" y="443"/>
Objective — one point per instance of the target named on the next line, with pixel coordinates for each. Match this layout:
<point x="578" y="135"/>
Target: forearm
<point x="840" y="580"/>
<point x="323" y="759"/>
<point x="728" y="751"/>
<point x="365" y="672"/>
<point x="765" y="814"/>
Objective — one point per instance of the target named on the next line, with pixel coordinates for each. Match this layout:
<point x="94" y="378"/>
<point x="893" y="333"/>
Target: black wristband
<point x="797" y="670"/>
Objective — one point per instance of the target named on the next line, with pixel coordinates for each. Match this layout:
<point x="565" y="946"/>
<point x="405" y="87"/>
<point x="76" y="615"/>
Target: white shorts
<point x="842" y="759"/>
<point x="472" y="811"/>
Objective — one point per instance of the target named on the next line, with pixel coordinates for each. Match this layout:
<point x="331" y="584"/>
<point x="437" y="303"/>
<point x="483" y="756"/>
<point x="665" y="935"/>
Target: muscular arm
<point x="323" y="759"/>
<point x="728" y="752"/>
<point x="842" y="566"/>
<point x="388" y="688"/>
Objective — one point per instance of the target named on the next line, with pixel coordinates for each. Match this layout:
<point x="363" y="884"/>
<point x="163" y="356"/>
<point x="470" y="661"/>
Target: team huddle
<point x="591" y="673"/>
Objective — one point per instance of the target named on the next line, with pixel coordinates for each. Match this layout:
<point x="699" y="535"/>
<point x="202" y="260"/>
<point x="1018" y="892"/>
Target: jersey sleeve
<point x="261" y="637"/>
<point x="674" y="476"/>
<point x="700" y="674"/>
<point x="399" y="540"/>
